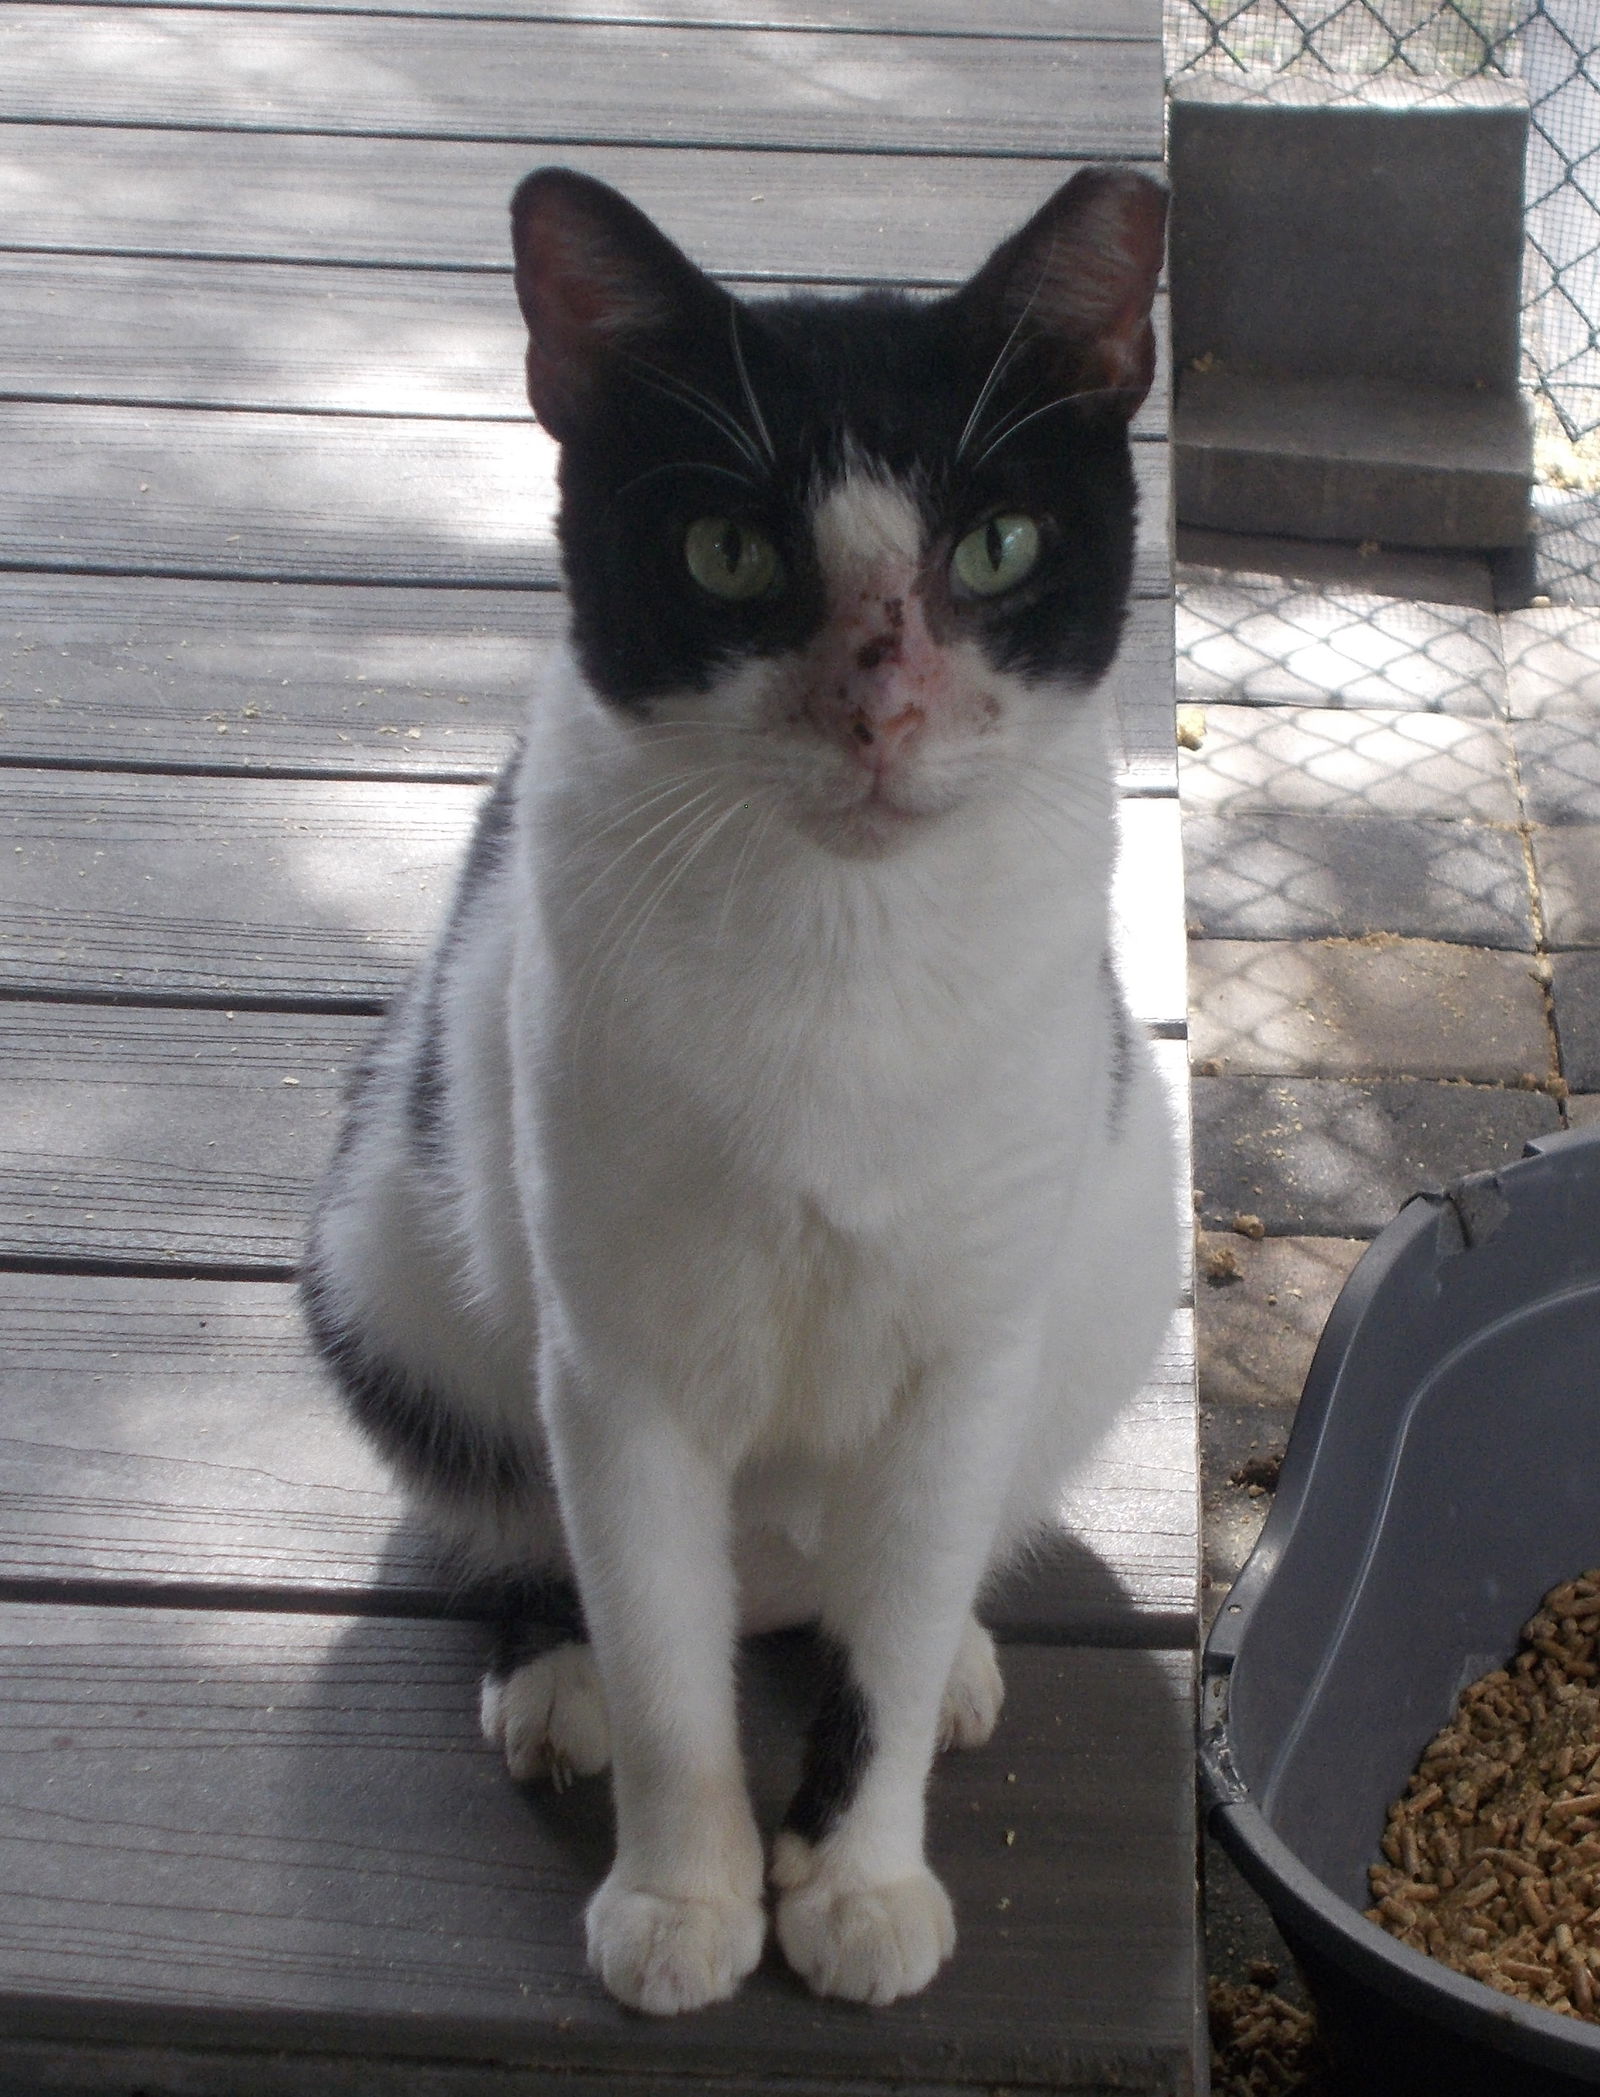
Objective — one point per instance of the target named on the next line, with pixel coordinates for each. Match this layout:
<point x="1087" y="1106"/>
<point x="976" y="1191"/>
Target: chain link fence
<point x="1553" y="48"/>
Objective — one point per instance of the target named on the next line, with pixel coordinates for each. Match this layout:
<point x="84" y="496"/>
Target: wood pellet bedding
<point x="1492" y="1856"/>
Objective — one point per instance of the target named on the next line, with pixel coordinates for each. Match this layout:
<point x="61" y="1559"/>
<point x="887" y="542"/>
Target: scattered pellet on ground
<point x="1261" y="2046"/>
<point x="1492" y="1856"/>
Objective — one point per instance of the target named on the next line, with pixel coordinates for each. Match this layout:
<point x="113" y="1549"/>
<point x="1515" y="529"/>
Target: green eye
<point x="730" y="560"/>
<point x="996" y="555"/>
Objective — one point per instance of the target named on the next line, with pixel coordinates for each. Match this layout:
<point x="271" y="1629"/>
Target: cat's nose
<point x="877" y="737"/>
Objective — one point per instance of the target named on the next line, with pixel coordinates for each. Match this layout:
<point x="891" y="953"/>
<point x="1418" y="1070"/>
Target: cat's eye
<point x="996" y="555"/>
<point x="730" y="560"/>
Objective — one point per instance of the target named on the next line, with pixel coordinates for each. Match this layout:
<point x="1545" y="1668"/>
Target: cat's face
<point x="865" y="550"/>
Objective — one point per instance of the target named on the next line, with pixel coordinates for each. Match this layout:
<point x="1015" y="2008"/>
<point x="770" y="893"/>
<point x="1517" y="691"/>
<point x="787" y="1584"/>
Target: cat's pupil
<point x="994" y="544"/>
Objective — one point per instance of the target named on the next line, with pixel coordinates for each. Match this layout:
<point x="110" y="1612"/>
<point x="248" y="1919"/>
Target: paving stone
<point x="1234" y="1441"/>
<point x="1568" y="860"/>
<point x="1260" y="641"/>
<point x="1566" y="545"/>
<point x="1583" y="1112"/>
<point x="1381" y="1007"/>
<point x="1309" y="877"/>
<point x="1575" y="990"/>
<point x="1321" y="760"/>
<point x="1323" y="1156"/>
<point x="1381" y="571"/>
<point x="1257" y="1330"/>
<point x="1552" y="658"/>
<point x="1559" y="759"/>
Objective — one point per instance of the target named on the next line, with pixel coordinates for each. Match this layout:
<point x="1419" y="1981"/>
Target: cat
<point x="761" y="1201"/>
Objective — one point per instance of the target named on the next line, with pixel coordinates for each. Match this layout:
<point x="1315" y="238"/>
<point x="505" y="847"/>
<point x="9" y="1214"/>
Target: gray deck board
<point x="177" y="1436"/>
<point x="282" y="335"/>
<point x="282" y="1829"/>
<point x="171" y="1138"/>
<point x="152" y="673"/>
<point x="276" y="580"/>
<point x="315" y="892"/>
<point x="1127" y="20"/>
<point x="552" y="83"/>
<point x="316" y="499"/>
<point x="847" y="218"/>
<point x="177" y="1139"/>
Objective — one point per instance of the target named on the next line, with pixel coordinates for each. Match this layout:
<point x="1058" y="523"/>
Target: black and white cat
<point x="761" y="1202"/>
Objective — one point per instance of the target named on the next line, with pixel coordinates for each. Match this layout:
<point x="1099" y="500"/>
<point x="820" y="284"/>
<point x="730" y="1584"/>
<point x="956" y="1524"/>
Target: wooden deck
<point x="275" y="575"/>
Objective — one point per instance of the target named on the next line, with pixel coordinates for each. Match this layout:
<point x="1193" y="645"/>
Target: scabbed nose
<point x="884" y="680"/>
<point x="878" y="738"/>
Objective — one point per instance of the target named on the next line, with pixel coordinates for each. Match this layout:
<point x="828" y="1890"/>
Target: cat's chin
<point x="872" y="825"/>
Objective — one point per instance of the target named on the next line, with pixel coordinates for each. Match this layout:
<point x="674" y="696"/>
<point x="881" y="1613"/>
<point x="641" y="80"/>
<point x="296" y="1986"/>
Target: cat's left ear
<point x="592" y="273"/>
<point x="1079" y="279"/>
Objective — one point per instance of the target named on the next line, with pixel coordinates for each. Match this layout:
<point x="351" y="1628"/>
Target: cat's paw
<point x="549" y="1717"/>
<point x="974" y="1693"/>
<point x="665" y="1954"/>
<point x="870" y="1941"/>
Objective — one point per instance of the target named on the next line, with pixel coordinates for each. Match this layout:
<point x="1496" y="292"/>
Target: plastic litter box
<point x="1443" y="1473"/>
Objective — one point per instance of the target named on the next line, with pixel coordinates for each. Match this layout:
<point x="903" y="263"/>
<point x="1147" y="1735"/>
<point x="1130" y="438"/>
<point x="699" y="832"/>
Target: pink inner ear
<point x="577" y="299"/>
<point x="1097" y="278"/>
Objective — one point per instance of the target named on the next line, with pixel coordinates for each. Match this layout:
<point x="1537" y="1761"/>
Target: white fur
<point x="786" y="1145"/>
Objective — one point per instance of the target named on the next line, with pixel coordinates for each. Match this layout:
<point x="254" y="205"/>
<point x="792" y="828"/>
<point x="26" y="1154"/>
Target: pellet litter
<point x="1261" y="2046"/>
<point x="1492" y="1856"/>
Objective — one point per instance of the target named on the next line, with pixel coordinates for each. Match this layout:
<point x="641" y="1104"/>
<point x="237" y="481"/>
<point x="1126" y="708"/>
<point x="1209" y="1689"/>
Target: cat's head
<point x="876" y="545"/>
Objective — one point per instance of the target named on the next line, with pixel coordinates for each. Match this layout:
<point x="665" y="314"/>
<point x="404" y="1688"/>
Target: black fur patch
<point x="838" y="1748"/>
<point x="883" y="378"/>
<point x="529" y="1614"/>
<point x="425" y="1091"/>
<point x="419" y="1433"/>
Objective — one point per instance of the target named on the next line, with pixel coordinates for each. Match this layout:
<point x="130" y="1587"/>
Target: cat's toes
<point x="549" y="1717"/>
<point x="664" y="1954"/>
<point x="868" y="1941"/>
<point x="973" y="1695"/>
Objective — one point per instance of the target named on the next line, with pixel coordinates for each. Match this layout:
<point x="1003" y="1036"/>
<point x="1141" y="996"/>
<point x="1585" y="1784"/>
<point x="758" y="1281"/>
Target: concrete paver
<point x="1567" y="857"/>
<point x="1575" y="992"/>
<point x="1378" y="1007"/>
<point x="1259" y="641"/>
<point x="1260" y="1306"/>
<point x="1269" y="876"/>
<point x="1326" y="1156"/>
<point x="1320" y="760"/>
<point x="1583" y="1112"/>
<point x="1552" y="656"/>
<point x="1558" y="757"/>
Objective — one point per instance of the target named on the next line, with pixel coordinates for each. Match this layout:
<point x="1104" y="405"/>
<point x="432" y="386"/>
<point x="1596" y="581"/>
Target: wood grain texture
<point x="551" y="83"/>
<point x="305" y="891"/>
<point x="1137" y="20"/>
<point x="180" y="1139"/>
<point x="283" y="1832"/>
<point x="271" y="678"/>
<point x="770" y="216"/>
<point x="281" y="335"/>
<point x="176" y="1434"/>
<point x="318" y="499"/>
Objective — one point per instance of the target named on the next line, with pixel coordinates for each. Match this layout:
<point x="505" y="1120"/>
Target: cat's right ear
<point x="592" y="273"/>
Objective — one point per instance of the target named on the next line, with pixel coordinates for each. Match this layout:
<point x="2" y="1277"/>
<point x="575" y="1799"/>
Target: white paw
<point x="870" y="1942"/>
<point x="664" y="1954"/>
<point x="549" y="1717"/>
<point x="973" y="1695"/>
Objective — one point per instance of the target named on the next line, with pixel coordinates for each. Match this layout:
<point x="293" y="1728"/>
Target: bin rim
<point x="1307" y="1908"/>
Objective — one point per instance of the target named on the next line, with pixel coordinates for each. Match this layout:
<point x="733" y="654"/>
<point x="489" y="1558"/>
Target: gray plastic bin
<point x="1443" y="1473"/>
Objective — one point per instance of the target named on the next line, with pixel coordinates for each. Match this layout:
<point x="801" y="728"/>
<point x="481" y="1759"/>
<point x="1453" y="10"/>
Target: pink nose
<point x="878" y="738"/>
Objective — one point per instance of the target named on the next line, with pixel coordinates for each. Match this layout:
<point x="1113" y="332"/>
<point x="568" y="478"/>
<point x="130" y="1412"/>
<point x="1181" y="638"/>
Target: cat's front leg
<point x="907" y="1669"/>
<point x="680" y="1919"/>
